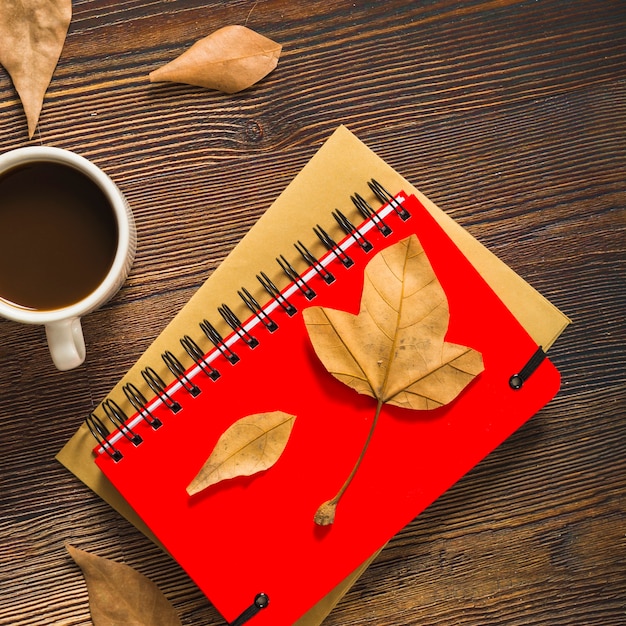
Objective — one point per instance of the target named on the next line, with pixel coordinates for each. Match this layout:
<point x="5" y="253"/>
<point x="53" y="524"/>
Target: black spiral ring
<point x="385" y="197"/>
<point x="176" y="367"/>
<point x="158" y="386"/>
<point x="195" y="352"/>
<point x="218" y="341"/>
<point x="235" y="323"/>
<point x="293" y="275"/>
<point x="118" y="417"/>
<point x="140" y="404"/>
<point x="332" y="246"/>
<point x="274" y="291"/>
<point x="323" y="273"/>
<point x="368" y="213"/>
<point x="257" y="309"/>
<point x="100" y="434"/>
<point x="352" y="231"/>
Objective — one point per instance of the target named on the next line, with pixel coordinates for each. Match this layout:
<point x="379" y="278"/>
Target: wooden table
<point x="510" y="116"/>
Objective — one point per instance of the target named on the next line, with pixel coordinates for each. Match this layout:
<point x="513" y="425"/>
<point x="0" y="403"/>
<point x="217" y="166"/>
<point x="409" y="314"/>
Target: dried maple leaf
<point x="118" y="594"/>
<point x="32" y="34"/>
<point x="252" y="444"/>
<point x="231" y="59"/>
<point x="394" y="350"/>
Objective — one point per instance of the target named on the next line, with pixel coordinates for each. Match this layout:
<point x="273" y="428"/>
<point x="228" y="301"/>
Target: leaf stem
<point x="326" y="513"/>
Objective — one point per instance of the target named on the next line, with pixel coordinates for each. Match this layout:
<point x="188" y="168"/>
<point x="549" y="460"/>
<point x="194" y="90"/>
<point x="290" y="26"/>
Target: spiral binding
<point x="176" y="367"/>
<point x="158" y="386"/>
<point x="195" y="352"/>
<point x="300" y="283"/>
<point x="274" y="291"/>
<point x="140" y="404"/>
<point x="332" y="246"/>
<point x="352" y="231"/>
<point x="368" y="213"/>
<point x="119" y="418"/>
<point x="101" y="434"/>
<point x="218" y="341"/>
<point x="516" y="382"/>
<point x="322" y="272"/>
<point x="262" y="316"/>
<point x="386" y="198"/>
<point x="257" y="310"/>
<point x="235" y="323"/>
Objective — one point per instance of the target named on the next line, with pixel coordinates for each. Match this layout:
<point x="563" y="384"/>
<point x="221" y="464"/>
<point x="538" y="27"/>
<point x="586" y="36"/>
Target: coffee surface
<point x="58" y="236"/>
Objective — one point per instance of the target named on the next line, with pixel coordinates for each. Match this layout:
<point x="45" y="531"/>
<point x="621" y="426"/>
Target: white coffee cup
<point x="63" y="327"/>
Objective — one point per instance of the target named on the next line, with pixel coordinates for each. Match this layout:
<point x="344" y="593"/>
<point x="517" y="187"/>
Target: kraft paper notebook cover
<point x="344" y="153"/>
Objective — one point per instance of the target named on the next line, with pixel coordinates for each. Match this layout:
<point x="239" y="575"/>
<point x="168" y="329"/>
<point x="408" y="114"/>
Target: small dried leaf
<point x="120" y="595"/>
<point x="32" y="34"/>
<point x="250" y="445"/>
<point x="231" y="59"/>
<point x="394" y="349"/>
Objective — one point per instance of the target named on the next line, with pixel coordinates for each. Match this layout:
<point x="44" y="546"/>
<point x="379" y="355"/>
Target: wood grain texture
<point x="511" y="116"/>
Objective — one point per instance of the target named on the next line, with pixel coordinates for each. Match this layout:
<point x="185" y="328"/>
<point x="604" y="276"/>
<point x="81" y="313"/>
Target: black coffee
<point x="58" y="236"/>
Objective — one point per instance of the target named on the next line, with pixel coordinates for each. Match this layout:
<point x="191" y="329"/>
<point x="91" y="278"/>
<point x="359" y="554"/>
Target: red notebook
<point x="256" y="535"/>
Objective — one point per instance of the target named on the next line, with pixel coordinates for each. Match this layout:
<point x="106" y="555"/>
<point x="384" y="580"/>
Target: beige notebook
<point x="341" y="167"/>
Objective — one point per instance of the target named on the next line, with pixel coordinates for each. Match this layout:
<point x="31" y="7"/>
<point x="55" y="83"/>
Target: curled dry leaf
<point x="32" y="34"/>
<point x="394" y="350"/>
<point x="252" y="444"/>
<point x="231" y="59"/>
<point x="118" y="594"/>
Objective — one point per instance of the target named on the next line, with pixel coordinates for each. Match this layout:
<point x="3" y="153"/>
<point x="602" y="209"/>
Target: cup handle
<point x="66" y="343"/>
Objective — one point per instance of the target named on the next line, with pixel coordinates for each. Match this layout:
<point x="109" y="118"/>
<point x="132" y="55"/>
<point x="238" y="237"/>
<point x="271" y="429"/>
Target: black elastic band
<point x="517" y="380"/>
<point x="260" y="602"/>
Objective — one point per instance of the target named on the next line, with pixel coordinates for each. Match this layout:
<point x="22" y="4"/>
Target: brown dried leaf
<point x="120" y="595"/>
<point x="32" y="34"/>
<point x="394" y="349"/>
<point x="231" y="59"/>
<point x="252" y="444"/>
